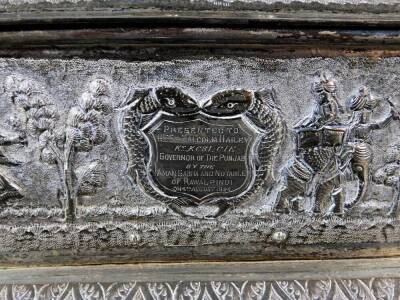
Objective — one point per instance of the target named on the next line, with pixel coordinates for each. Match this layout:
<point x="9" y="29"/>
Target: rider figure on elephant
<point x="358" y="147"/>
<point x="312" y="173"/>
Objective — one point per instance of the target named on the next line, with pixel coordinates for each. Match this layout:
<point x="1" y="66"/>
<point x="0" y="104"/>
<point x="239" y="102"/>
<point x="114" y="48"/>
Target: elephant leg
<point x="337" y="199"/>
<point x="317" y="204"/>
<point x="296" y="204"/>
<point x="312" y="193"/>
<point x="284" y="194"/>
<point x="323" y="195"/>
<point x="282" y="205"/>
<point x="393" y="208"/>
<point x="318" y="197"/>
<point x="289" y="197"/>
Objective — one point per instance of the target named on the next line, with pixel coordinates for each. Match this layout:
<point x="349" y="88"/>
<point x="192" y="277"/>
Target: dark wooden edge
<point x="269" y="18"/>
<point x="143" y="43"/>
<point x="94" y="29"/>
<point x="215" y="253"/>
<point x="208" y="37"/>
<point x="150" y="272"/>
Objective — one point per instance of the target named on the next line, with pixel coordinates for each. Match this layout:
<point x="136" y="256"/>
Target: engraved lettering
<point x="202" y="157"/>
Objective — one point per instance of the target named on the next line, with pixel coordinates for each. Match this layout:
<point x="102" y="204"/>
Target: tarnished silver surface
<point x="202" y="149"/>
<point x="338" y="279"/>
<point x="74" y="136"/>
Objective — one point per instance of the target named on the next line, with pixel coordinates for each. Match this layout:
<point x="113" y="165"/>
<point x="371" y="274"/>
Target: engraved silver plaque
<point x="186" y="154"/>
<point x="203" y="158"/>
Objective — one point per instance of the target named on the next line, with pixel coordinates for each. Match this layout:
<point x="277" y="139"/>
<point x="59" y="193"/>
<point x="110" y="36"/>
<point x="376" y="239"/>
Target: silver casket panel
<point x="100" y="157"/>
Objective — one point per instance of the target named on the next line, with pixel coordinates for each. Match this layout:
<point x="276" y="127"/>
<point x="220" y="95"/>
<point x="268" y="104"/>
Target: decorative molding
<point x="342" y="279"/>
<point x="343" y="289"/>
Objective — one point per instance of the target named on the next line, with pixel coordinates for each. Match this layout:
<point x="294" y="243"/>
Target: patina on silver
<point x="78" y="154"/>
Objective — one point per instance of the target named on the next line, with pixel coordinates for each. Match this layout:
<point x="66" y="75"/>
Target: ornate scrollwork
<point x="252" y="119"/>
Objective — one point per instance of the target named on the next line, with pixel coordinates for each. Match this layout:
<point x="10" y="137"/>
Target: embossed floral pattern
<point x="343" y="289"/>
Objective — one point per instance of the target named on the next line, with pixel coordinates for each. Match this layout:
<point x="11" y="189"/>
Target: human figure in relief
<point x="358" y="150"/>
<point x="8" y="189"/>
<point x="326" y="108"/>
<point x="313" y="171"/>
